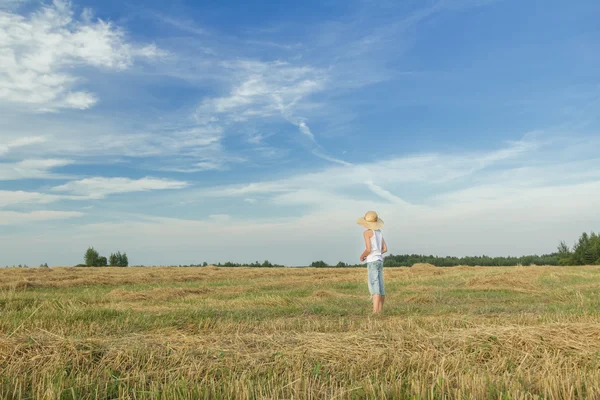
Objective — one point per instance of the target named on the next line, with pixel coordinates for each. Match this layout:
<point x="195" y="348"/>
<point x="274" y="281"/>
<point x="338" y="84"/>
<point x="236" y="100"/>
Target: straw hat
<point x="371" y="221"/>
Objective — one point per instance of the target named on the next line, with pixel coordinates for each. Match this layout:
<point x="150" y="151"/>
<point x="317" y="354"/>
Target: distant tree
<point x="124" y="261"/>
<point x="587" y="250"/>
<point x="205" y="264"/>
<point x="91" y="257"/>
<point x="319" y="264"/>
<point x="341" y="264"/>
<point x="113" y="260"/>
<point x="118" y="260"/>
<point x="102" y="262"/>
<point x="563" y="249"/>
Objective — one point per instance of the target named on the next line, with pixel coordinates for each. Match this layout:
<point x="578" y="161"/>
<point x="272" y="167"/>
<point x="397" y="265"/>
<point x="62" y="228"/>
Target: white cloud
<point x="80" y="100"/>
<point x="20" y="142"/>
<point x="190" y="139"/>
<point x="8" y="198"/>
<point x="305" y="129"/>
<point x="19" y="218"/>
<point x="39" y="55"/>
<point x="32" y="168"/>
<point x="262" y="90"/>
<point x="100" y="187"/>
<point x="150" y="51"/>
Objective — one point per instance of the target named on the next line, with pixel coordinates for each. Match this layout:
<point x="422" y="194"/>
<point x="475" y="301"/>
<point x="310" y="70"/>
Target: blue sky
<point x="183" y="132"/>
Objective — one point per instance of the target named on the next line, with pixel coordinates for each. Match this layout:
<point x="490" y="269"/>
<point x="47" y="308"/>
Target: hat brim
<point x="370" y="225"/>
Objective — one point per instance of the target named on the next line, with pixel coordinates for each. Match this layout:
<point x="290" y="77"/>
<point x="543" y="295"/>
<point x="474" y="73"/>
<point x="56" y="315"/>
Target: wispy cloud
<point x="20" y="218"/>
<point x="32" y="168"/>
<point x="19" y="197"/>
<point x="38" y="54"/>
<point x="21" y="142"/>
<point x="100" y="187"/>
<point x="181" y="24"/>
<point x="262" y="90"/>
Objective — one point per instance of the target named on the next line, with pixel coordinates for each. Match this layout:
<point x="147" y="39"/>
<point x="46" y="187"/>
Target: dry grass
<point x="150" y="333"/>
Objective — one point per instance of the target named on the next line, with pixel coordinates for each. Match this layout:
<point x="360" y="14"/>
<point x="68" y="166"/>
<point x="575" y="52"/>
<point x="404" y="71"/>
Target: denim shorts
<point x="375" y="273"/>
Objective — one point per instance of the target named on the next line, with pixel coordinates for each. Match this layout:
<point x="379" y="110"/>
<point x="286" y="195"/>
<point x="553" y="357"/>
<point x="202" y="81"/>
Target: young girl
<point x="373" y="255"/>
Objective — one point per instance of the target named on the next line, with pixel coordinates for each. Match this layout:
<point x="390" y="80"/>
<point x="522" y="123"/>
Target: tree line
<point x="585" y="251"/>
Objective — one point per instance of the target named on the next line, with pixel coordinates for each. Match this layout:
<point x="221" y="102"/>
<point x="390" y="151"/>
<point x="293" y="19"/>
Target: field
<point x="280" y="333"/>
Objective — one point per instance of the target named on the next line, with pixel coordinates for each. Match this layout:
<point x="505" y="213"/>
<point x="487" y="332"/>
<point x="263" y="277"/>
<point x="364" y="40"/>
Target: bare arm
<point x="384" y="245"/>
<point x="367" y="235"/>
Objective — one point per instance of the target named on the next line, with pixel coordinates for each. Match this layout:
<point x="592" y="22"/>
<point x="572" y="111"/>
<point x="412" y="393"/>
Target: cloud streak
<point x="20" y="218"/>
<point x="100" y="187"/>
<point x="32" y="169"/>
<point x="21" y="142"/>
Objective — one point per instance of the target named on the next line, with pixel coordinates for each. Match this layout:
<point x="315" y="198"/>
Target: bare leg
<point x="381" y="301"/>
<point x="376" y="303"/>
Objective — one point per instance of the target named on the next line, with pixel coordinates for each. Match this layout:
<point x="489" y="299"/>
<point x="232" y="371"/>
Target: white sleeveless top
<point x="376" y="247"/>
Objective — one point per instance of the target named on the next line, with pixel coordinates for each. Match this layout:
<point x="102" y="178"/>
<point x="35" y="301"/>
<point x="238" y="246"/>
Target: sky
<point x="183" y="131"/>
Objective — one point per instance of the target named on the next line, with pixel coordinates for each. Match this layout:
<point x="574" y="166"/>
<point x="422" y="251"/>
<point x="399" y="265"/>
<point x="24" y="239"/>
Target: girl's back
<point x="376" y="253"/>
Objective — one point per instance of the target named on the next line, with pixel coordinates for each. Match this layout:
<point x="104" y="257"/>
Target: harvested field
<point x="162" y="333"/>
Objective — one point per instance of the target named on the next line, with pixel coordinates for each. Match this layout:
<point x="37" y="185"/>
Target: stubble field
<point x="249" y="333"/>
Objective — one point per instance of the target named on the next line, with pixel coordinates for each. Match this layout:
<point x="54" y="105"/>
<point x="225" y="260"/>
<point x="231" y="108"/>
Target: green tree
<point x="319" y="264"/>
<point x="123" y="261"/>
<point x="563" y="249"/>
<point x="587" y="249"/>
<point x="113" y="260"/>
<point x="91" y="257"/>
<point x="118" y="260"/>
<point x="102" y="262"/>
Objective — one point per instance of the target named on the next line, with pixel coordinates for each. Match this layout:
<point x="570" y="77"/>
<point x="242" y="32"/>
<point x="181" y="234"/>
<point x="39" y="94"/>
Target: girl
<point x="373" y="255"/>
